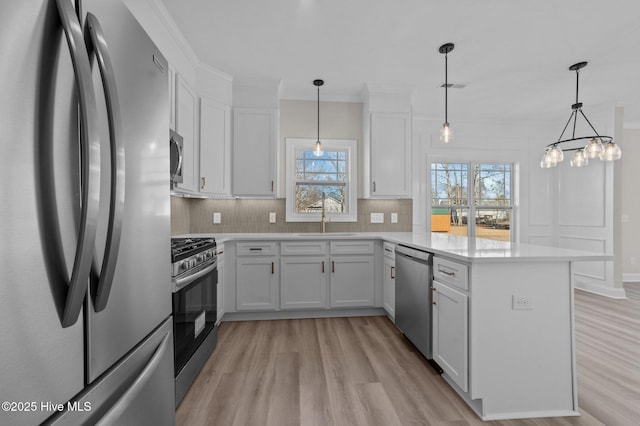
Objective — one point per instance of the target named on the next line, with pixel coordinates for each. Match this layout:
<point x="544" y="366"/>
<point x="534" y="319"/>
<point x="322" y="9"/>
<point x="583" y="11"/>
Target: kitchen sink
<point x="326" y="234"/>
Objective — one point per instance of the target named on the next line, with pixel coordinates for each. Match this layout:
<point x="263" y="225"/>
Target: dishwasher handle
<point x="418" y="255"/>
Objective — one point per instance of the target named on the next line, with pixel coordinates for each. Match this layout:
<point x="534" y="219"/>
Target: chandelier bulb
<point x="318" y="149"/>
<point x="611" y="152"/>
<point x="547" y="161"/>
<point x="593" y="149"/>
<point x="579" y="159"/>
<point x="556" y="154"/>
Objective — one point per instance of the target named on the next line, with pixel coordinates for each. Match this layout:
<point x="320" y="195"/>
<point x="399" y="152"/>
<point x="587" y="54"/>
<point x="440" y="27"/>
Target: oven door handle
<point x="186" y="280"/>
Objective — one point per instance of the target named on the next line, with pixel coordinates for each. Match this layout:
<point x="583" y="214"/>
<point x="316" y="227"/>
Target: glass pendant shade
<point x="593" y="149"/>
<point x="318" y="149"/>
<point x="547" y="162"/>
<point x="555" y="154"/>
<point x="579" y="159"/>
<point x="446" y="133"/>
<point x="611" y="152"/>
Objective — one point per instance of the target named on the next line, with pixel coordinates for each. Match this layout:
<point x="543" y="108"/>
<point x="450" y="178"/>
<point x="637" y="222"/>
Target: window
<point x="330" y="176"/>
<point x="460" y="191"/>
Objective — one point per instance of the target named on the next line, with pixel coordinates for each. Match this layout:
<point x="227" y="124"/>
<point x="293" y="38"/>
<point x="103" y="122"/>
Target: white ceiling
<point x="514" y="55"/>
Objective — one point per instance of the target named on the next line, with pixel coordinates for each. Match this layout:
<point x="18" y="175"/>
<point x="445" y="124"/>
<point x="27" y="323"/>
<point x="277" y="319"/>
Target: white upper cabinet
<point x="215" y="148"/>
<point x="390" y="155"/>
<point x="254" y="151"/>
<point x="185" y="123"/>
<point x="172" y="97"/>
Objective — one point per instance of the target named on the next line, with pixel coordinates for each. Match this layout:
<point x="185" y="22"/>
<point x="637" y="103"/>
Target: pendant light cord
<point x="318" y="113"/>
<point x="446" y="87"/>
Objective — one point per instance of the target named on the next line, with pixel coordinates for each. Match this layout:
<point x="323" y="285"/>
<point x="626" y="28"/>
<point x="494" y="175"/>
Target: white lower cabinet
<point x="303" y="282"/>
<point x="256" y="283"/>
<point x="450" y="332"/>
<point x="220" y="286"/>
<point x="352" y="281"/>
<point x="389" y="286"/>
<point x="389" y="279"/>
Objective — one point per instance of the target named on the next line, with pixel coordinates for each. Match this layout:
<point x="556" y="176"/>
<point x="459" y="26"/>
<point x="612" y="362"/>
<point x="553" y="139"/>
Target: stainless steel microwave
<point x="175" y="147"/>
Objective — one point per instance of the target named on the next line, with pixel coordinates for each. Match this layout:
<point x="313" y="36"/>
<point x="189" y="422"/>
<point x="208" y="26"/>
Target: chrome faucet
<point x="323" y="219"/>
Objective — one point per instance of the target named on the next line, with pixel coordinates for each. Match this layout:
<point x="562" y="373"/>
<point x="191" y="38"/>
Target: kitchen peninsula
<point x="507" y="335"/>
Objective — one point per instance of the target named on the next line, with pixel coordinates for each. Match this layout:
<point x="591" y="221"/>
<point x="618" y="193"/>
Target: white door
<point x="256" y="283"/>
<point x="450" y="333"/>
<point x="303" y="282"/>
<point x="352" y="282"/>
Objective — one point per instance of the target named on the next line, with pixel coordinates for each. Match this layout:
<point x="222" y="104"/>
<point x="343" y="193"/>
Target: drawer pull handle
<point x="272" y="268"/>
<point x="323" y="266"/>
<point x="333" y="266"/>
<point x="393" y="269"/>
<point x="255" y="249"/>
<point x="387" y="249"/>
<point x="451" y="274"/>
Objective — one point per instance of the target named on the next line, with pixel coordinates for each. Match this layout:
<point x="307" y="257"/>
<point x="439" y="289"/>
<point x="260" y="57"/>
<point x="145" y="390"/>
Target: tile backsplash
<point x="191" y="215"/>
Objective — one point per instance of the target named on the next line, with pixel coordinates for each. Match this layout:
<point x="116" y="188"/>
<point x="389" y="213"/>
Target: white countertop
<point x="453" y="246"/>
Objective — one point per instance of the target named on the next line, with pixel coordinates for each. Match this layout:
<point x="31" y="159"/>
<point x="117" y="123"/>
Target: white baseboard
<point x="614" y="293"/>
<point x="631" y="278"/>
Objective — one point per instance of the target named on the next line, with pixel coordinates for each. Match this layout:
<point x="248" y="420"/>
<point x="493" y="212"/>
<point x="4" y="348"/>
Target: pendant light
<point x="598" y="146"/>
<point x="318" y="148"/>
<point x="446" y="134"/>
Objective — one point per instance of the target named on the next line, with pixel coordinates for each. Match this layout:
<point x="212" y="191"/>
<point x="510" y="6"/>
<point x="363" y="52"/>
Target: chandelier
<point x="599" y="146"/>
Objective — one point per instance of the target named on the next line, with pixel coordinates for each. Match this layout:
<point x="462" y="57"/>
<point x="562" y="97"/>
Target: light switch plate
<point x="217" y="217"/>
<point x="394" y="217"/>
<point x="522" y="302"/>
<point x="377" y="217"/>
<point x="272" y="217"/>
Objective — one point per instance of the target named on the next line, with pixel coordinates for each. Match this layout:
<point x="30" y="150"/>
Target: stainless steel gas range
<point x="194" y="278"/>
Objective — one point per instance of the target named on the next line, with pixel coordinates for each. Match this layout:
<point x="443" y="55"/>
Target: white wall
<point x="631" y="205"/>
<point x="298" y="119"/>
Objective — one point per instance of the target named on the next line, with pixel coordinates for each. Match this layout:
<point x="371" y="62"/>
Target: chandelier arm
<point x="575" y="120"/>
<point x="590" y="125"/>
<point x="565" y="127"/>
<point x="603" y="138"/>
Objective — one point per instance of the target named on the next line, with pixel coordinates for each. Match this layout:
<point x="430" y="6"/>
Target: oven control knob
<point x="200" y="258"/>
<point x="184" y="265"/>
<point x="207" y="255"/>
<point x="192" y="263"/>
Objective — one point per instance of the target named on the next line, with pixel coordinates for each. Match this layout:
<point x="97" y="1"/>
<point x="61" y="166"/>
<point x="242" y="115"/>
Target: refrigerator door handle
<point x="125" y="400"/>
<point x="90" y="164"/>
<point x="96" y="44"/>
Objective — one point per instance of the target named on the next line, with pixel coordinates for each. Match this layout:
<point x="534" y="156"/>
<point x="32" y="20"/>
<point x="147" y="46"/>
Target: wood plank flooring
<point x="362" y="371"/>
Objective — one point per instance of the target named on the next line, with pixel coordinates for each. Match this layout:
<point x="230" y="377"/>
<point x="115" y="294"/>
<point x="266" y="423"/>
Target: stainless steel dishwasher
<point x="413" y="297"/>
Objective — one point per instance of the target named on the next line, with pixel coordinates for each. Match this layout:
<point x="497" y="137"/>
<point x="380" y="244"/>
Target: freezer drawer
<point x="138" y="390"/>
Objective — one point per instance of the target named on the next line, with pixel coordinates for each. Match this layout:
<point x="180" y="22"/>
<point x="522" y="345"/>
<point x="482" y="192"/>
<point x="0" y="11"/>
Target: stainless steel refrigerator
<point x="85" y="291"/>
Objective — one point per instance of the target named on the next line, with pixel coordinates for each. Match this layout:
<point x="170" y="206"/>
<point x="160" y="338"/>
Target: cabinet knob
<point x="323" y="266"/>
<point x="203" y="182"/>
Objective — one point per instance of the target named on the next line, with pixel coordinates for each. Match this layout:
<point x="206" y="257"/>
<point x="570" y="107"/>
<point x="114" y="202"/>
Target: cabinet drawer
<point x="351" y="247"/>
<point x="258" y="248"/>
<point x="303" y="247"/>
<point x="454" y="273"/>
<point x="389" y="250"/>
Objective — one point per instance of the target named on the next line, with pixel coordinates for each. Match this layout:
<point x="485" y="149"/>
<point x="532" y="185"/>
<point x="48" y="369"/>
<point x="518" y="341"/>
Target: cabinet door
<point x="390" y="155"/>
<point x="220" y="290"/>
<point x="186" y="107"/>
<point x="450" y="333"/>
<point x="256" y="283"/>
<point x="254" y="134"/>
<point x="389" y="287"/>
<point x="171" y="72"/>
<point x="303" y="282"/>
<point x="352" y="281"/>
<point x="215" y="148"/>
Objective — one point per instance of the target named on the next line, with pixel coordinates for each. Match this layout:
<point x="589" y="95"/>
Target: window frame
<point x="294" y="145"/>
<point x="471" y="206"/>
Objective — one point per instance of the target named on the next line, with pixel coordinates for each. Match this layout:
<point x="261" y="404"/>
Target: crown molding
<point x="174" y="31"/>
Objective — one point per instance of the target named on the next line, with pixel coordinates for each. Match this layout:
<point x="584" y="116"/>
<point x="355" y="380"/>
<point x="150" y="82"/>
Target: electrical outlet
<point x="522" y="302"/>
<point x="272" y="217"/>
<point x="216" y="218"/>
<point x="377" y="217"/>
<point x="394" y="217"/>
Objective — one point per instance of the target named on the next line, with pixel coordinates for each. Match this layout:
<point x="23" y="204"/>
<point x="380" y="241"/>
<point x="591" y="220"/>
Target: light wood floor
<point x="362" y="371"/>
